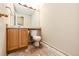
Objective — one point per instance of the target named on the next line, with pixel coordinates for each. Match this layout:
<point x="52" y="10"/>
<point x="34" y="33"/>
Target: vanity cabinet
<point x="17" y="38"/>
<point x="12" y="39"/>
<point x="23" y="37"/>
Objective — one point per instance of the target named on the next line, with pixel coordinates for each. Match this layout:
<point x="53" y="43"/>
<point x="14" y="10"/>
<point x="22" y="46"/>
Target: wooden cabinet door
<point x="12" y="36"/>
<point x="23" y="37"/>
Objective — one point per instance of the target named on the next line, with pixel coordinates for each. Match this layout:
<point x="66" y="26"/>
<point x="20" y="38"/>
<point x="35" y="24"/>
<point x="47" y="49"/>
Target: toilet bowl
<point x="36" y="38"/>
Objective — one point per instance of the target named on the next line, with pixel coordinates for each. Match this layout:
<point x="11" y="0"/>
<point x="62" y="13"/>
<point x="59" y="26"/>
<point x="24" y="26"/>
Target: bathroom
<point x="47" y="29"/>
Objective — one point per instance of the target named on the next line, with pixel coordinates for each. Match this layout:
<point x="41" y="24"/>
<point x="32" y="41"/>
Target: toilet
<point x="36" y="37"/>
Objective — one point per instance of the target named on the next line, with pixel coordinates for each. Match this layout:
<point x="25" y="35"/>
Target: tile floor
<point x="32" y="51"/>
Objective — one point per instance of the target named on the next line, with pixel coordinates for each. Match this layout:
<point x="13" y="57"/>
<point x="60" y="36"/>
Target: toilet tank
<point x="35" y="33"/>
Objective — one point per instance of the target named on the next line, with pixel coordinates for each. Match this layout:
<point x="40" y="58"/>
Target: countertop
<point x="25" y="27"/>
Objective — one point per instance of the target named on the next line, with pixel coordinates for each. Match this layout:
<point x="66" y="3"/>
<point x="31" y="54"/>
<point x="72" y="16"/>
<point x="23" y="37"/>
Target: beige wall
<point x="60" y="26"/>
<point x="3" y="21"/>
<point x="2" y="37"/>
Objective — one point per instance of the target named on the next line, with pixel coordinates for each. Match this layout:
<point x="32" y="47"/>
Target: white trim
<point x="56" y="51"/>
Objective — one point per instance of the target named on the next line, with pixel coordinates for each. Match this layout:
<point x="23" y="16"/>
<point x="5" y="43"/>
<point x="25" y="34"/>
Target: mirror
<point x="24" y="17"/>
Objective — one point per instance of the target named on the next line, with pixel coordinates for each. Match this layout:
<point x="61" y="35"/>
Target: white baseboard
<point x="56" y="52"/>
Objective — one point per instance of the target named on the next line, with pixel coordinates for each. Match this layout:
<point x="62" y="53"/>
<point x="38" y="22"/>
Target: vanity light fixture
<point x="26" y="6"/>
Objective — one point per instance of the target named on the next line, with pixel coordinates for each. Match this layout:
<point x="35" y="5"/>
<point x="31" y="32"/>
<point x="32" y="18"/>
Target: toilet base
<point x="36" y="44"/>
